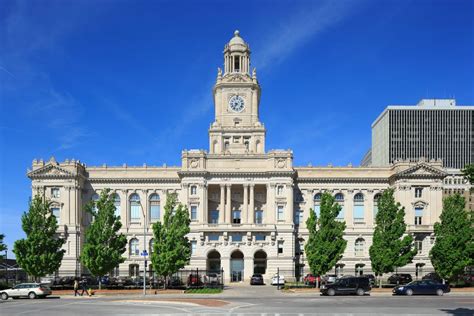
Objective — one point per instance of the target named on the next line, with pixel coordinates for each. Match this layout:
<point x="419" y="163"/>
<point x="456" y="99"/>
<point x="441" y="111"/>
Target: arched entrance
<point x="214" y="261"/>
<point x="236" y="266"/>
<point x="260" y="262"/>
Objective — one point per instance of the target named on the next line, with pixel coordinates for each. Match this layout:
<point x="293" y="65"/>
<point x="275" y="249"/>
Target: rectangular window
<point x="55" y="192"/>
<point x="418" y="192"/>
<point x="236" y="237"/>
<point x="135" y="212"/>
<point x="56" y="213"/>
<point x="155" y="212"/>
<point x="193" y="190"/>
<point x="299" y="217"/>
<point x="340" y="216"/>
<point x="259" y="217"/>
<point x="358" y="213"/>
<point x="280" y="247"/>
<point x="213" y="237"/>
<point x="214" y="217"/>
<point x="280" y="213"/>
<point x="236" y="217"/>
<point x="418" y="215"/>
<point x="279" y="190"/>
<point x="317" y="210"/>
<point x="193" y="247"/>
<point x="193" y="212"/>
<point x="419" y="246"/>
<point x="259" y="237"/>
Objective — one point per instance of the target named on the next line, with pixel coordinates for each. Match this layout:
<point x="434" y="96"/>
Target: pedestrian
<point x="76" y="287"/>
<point x="83" y="286"/>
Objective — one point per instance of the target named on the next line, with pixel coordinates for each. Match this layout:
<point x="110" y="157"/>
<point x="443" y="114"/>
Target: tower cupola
<point x="236" y="56"/>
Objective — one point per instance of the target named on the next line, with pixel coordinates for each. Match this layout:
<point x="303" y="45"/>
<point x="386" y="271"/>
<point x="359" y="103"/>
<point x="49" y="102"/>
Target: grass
<point x="205" y="290"/>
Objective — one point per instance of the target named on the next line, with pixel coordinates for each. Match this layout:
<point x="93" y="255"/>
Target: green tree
<point x="40" y="253"/>
<point x="3" y="247"/>
<point x="468" y="173"/>
<point x="171" y="250"/>
<point x="390" y="248"/>
<point x="325" y="244"/>
<point x="454" y="244"/>
<point x="104" y="245"/>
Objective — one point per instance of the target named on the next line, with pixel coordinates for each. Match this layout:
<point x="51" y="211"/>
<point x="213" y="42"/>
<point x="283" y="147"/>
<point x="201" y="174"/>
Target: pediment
<point x="421" y="170"/>
<point x="50" y="171"/>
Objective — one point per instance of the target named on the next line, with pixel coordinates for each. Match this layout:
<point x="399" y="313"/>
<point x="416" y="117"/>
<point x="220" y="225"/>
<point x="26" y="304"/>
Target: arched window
<point x="376" y="203"/>
<point x="359" y="208"/>
<point x="359" y="247"/>
<point x="317" y="204"/>
<point x="154" y="207"/>
<point x="134" y="248"/>
<point x="340" y="200"/>
<point x="117" y="204"/>
<point x="135" y="208"/>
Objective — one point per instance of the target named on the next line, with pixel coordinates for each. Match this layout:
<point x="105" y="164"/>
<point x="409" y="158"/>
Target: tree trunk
<point x="380" y="282"/>
<point x="100" y="283"/>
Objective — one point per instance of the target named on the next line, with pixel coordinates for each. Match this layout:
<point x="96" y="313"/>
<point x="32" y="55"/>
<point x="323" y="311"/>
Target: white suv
<point x="30" y="290"/>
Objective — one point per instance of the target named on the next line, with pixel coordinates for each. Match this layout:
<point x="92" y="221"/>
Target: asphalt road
<point x="243" y="302"/>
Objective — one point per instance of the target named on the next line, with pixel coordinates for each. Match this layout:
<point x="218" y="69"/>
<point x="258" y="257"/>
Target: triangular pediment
<point x="50" y="171"/>
<point x="421" y="170"/>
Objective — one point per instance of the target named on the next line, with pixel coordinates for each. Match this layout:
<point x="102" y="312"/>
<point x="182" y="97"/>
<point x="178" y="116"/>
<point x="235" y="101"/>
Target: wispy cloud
<point x="305" y="24"/>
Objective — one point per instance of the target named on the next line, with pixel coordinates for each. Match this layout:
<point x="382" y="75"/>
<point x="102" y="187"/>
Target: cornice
<point x="239" y="174"/>
<point x="134" y="180"/>
<point x="342" y="180"/>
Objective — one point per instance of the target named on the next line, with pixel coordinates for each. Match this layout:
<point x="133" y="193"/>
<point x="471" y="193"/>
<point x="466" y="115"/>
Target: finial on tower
<point x="236" y="33"/>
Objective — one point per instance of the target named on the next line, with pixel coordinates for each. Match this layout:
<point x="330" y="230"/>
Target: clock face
<point x="236" y="103"/>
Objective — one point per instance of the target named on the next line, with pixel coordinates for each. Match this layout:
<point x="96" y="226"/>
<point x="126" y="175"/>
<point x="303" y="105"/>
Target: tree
<point x="454" y="244"/>
<point x="40" y="253"/>
<point x="468" y="173"/>
<point x="104" y="246"/>
<point x="171" y="250"/>
<point x="3" y="247"/>
<point x="325" y="244"/>
<point x="390" y="248"/>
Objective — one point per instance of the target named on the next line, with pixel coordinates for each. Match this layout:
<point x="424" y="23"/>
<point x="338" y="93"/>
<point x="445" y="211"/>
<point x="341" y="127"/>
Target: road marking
<point x="39" y="310"/>
<point x="241" y="306"/>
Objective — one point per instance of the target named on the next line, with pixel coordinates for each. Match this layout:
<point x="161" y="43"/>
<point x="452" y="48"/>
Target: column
<point x="203" y="204"/>
<point x="270" y="215"/>
<point x="289" y="217"/>
<point x="222" y="205"/>
<point x="245" y="211"/>
<point x="228" y="206"/>
<point x="252" y="204"/>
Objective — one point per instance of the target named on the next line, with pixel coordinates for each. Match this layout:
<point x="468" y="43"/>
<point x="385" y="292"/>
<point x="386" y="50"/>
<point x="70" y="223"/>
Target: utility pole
<point x="144" y="253"/>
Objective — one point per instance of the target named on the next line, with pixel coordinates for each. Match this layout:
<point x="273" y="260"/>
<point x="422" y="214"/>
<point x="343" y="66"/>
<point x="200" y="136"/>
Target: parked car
<point x="426" y="287"/>
<point x="432" y="276"/>
<point x="347" y="285"/>
<point x="329" y="278"/>
<point x="278" y="280"/>
<point x="30" y="290"/>
<point x="256" y="279"/>
<point x="310" y="279"/>
<point x="194" y="280"/>
<point x="212" y="279"/>
<point x="402" y="278"/>
<point x="371" y="278"/>
<point x="175" y="282"/>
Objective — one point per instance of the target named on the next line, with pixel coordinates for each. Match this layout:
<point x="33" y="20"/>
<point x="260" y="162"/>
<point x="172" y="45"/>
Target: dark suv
<point x="347" y="285"/>
<point x="402" y="278"/>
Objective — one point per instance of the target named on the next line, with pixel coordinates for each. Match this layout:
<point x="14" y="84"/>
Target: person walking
<point x="84" y="286"/>
<point x="76" y="287"/>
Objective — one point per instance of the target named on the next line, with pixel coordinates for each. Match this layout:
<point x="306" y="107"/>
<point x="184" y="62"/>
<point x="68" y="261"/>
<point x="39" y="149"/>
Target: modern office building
<point x="247" y="205"/>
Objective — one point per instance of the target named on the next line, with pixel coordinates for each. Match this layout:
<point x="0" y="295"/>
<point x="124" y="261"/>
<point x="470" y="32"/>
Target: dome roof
<point x="237" y="40"/>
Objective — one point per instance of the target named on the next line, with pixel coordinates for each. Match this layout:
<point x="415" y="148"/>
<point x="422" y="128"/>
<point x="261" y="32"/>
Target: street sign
<point x="144" y="253"/>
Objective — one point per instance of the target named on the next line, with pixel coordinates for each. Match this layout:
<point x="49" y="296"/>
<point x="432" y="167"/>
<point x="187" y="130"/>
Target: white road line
<point x="240" y="306"/>
<point x="39" y="310"/>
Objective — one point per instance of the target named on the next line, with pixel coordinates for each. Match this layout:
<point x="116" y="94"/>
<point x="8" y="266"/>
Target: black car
<point x="256" y="279"/>
<point x="371" y="278"/>
<point x="402" y="278"/>
<point x="347" y="285"/>
<point x="432" y="276"/>
<point x="423" y="287"/>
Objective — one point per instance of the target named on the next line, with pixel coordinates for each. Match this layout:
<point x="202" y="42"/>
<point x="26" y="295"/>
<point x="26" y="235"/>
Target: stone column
<point x="270" y="215"/>
<point x="222" y="205"/>
<point x="203" y="204"/>
<point x="289" y="217"/>
<point x="252" y="205"/>
<point x="245" y="210"/>
<point x="228" y="205"/>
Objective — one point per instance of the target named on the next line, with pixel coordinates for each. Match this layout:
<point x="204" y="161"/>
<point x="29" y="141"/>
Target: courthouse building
<point x="247" y="204"/>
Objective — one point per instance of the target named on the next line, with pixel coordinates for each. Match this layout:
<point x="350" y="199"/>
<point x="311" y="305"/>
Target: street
<point x="243" y="301"/>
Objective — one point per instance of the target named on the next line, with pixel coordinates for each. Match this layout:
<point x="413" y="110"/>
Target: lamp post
<point x="6" y="267"/>
<point x="144" y="253"/>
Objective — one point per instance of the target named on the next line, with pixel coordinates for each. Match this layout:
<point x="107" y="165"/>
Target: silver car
<point x="30" y="290"/>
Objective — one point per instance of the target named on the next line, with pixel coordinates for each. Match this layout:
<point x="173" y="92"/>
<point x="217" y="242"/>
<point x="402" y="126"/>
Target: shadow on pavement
<point x="459" y="311"/>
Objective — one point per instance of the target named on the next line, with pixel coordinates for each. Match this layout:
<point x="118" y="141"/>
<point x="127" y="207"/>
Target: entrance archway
<point x="260" y="262"/>
<point x="236" y="266"/>
<point x="213" y="261"/>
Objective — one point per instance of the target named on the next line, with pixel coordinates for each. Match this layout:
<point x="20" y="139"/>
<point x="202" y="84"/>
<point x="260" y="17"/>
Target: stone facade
<point x="248" y="205"/>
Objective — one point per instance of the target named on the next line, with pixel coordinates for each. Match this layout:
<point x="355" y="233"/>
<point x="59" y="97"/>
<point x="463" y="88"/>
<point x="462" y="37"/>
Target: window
<point x="376" y="204"/>
<point x="95" y="198"/>
<point x="359" y="208"/>
<point x="236" y="217"/>
<point x="193" y="212"/>
<point x="359" y="269"/>
<point x="133" y="270"/>
<point x="298" y="217"/>
<point x="135" y="208"/>
<point x="259" y="237"/>
<point x="236" y="237"/>
<point x="117" y="204"/>
<point x="340" y="200"/>
<point x="56" y="213"/>
<point x="193" y="190"/>
<point x="214" y="217"/>
<point x="54" y="192"/>
<point x="359" y="247"/>
<point x="134" y="249"/>
<point x="418" y="215"/>
<point x="237" y="63"/>
<point x="418" y="192"/>
<point x="279" y="190"/>
<point x="317" y="204"/>
<point x="419" y="246"/>
<point x="280" y="213"/>
<point x="213" y="237"/>
<point x="155" y="207"/>
<point x="259" y="217"/>
<point x="193" y="247"/>
<point x="151" y="245"/>
<point x="280" y="247"/>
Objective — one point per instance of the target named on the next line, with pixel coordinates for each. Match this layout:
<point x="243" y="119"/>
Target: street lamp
<point x="6" y="267"/>
<point x="144" y="253"/>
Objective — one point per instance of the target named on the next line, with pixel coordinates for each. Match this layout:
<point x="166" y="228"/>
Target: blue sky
<point x="130" y="81"/>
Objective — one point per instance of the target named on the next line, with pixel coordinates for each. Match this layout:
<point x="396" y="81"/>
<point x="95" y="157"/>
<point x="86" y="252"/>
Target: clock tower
<point x="236" y="128"/>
